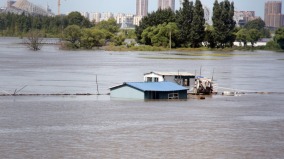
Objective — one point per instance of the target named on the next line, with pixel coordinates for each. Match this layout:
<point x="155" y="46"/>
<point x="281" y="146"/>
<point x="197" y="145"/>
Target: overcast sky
<point x="128" y="6"/>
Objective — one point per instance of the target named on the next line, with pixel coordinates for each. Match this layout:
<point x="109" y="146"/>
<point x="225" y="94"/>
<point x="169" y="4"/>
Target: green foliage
<point x="209" y="39"/>
<point x="272" y="45"/>
<point x="279" y="37"/>
<point x="109" y="25"/>
<point x="72" y="34"/>
<point x="248" y="35"/>
<point x="118" y="39"/>
<point x="184" y="20"/>
<point x="253" y="36"/>
<point x="129" y="34"/>
<point x="19" y="25"/>
<point x="255" y="24"/>
<point x="92" y="37"/>
<point x="34" y="40"/>
<point x="258" y="24"/>
<point x="197" y="32"/>
<point x="242" y="36"/>
<point x="75" y="18"/>
<point x="154" y="19"/>
<point x="165" y="35"/>
<point x="88" y="38"/>
<point x="223" y="23"/>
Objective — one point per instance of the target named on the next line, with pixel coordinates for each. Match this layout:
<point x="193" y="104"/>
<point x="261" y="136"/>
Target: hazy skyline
<point x="129" y="6"/>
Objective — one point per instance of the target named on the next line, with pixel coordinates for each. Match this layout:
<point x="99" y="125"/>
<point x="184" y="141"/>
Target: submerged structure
<point x="149" y="90"/>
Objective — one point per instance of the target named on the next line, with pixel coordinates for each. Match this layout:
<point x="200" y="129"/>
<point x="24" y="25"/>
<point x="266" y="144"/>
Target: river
<point x="247" y="126"/>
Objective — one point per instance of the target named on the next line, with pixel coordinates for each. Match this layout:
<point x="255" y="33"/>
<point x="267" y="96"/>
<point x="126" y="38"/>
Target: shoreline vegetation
<point x="162" y="30"/>
<point x="160" y="49"/>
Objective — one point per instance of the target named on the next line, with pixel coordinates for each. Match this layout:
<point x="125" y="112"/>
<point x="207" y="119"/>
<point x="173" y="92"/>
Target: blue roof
<point x="156" y="86"/>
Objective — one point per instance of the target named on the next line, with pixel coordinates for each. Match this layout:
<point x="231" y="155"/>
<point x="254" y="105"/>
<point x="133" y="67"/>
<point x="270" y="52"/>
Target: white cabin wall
<point x="153" y="75"/>
<point x="126" y="92"/>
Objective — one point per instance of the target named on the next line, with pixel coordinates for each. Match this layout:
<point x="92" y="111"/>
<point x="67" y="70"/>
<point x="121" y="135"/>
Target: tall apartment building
<point x="95" y="17"/>
<point x="272" y="14"/>
<point x="107" y="16"/>
<point x="141" y="7"/>
<point x="165" y="4"/>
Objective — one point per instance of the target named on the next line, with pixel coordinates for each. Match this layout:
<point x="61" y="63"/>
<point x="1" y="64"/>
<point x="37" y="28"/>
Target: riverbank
<point x="154" y="48"/>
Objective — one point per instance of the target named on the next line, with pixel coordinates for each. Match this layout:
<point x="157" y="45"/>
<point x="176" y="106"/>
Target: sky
<point x="128" y="6"/>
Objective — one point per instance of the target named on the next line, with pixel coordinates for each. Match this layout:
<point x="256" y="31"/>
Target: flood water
<point x="247" y="126"/>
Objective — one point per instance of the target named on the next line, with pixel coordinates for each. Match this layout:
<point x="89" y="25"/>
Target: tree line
<point x="162" y="28"/>
<point x="187" y="28"/>
<point x="18" y="25"/>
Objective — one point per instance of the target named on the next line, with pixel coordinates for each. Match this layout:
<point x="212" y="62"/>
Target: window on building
<point x="186" y="82"/>
<point x="173" y="96"/>
<point x="156" y="79"/>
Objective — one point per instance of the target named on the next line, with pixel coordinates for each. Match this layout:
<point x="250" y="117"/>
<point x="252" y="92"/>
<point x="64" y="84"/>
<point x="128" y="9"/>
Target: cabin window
<point x="156" y="79"/>
<point x="149" y="79"/>
<point x="185" y="82"/>
<point x="173" y="96"/>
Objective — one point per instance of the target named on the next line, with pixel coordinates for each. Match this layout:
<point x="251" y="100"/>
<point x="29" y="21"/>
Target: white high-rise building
<point x="165" y="4"/>
<point x="107" y="16"/>
<point x="95" y="17"/>
<point x="136" y="20"/>
<point x="85" y="14"/>
<point x="141" y="7"/>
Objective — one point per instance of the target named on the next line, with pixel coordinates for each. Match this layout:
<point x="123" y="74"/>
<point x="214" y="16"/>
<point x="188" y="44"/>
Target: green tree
<point x="279" y="37"/>
<point x="118" y="39"/>
<point x="209" y="40"/>
<point x="184" y="20"/>
<point x="72" y="34"/>
<point x="254" y="35"/>
<point x="258" y="24"/>
<point x="164" y="35"/>
<point x="197" y="32"/>
<point x="223" y="23"/>
<point x="75" y="18"/>
<point x="242" y="36"/>
<point x="154" y="19"/>
<point x="109" y="25"/>
<point x="92" y="37"/>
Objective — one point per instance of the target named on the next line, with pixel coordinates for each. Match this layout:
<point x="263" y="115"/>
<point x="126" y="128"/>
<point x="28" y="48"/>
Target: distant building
<point x="85" y="14"/>
<point x="26" y="7"/>
<point x="107" y="16"/>
<point x="125" y="19"/>
<point x="165" y="4"/>
<point x="242" y="17"/>
<point x="10" y="3"/>
<point x="141" y="7"/>
<point x="207" y="15"/>
<point x="273" y="13"/>
<point x="95" y="17"/>
<point x="137" y="20"/>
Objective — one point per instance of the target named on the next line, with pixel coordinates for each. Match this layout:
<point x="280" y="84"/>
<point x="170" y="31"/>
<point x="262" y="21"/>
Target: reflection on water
<point x="246" y="126"/>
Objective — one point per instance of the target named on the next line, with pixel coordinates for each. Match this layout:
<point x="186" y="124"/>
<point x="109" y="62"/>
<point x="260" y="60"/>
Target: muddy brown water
<point x="246" y="126"/>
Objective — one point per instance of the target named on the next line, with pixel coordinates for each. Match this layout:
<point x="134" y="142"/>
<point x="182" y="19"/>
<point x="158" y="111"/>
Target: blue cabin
<point x="149" y="90"/>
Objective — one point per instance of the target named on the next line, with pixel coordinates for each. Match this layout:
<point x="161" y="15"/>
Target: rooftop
<point x="172" y="73"/>
<point x="156" y="86"/>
